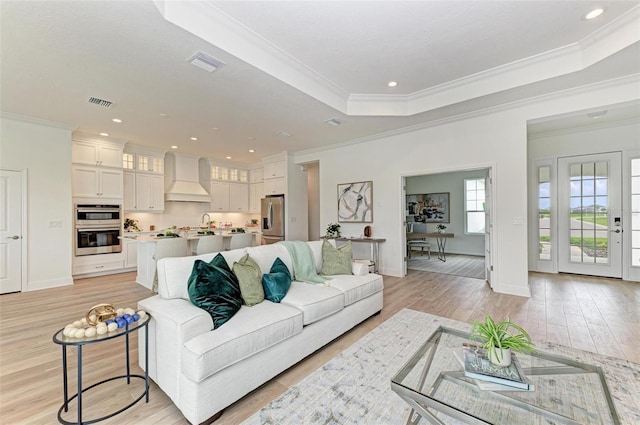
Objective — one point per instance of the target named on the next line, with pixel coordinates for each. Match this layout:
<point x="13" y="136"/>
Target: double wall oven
<point x="97" y="229"/>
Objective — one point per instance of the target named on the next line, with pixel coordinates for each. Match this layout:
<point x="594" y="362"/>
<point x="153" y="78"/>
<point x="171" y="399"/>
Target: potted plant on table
<point x="500" y="338"/>
<point x="333" y="230"/>
<point x="440" y="228"/>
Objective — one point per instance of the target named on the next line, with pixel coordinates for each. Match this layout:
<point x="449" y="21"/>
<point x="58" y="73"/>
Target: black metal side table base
<point x="64" y="406"/>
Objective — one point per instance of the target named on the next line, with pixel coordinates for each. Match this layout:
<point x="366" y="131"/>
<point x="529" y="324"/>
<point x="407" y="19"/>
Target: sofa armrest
<point x="173" y="322"/>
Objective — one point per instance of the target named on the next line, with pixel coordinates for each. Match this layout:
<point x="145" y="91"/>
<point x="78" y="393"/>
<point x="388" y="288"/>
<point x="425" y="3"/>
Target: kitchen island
<point x="146" y="267"/>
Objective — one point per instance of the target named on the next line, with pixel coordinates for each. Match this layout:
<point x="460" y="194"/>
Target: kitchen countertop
<point x="152" y="236"/>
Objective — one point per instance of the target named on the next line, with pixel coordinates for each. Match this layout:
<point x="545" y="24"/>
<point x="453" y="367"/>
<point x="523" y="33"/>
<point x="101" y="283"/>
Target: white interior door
<point x="590" y="214"/>
<point x="488" y="227"/>
<point x="10" y="231"/>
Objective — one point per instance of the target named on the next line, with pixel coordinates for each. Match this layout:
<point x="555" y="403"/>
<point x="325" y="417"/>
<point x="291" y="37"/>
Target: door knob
<point x="14" y="237"/>
<point x="616" y="231"/>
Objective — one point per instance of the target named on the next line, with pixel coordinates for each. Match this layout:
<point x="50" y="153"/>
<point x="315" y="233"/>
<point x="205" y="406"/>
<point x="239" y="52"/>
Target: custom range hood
<point x="181" y="179"/>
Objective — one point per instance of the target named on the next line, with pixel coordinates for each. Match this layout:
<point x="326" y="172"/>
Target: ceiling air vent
<point x="205" y="61"/>
<point x="100" y="102"/>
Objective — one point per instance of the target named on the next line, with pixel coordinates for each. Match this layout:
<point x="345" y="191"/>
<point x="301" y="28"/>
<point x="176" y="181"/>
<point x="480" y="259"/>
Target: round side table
<point x="66" y="341"/>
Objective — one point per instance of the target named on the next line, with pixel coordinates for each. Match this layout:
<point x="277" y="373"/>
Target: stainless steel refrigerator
<point x="272" y="223"/>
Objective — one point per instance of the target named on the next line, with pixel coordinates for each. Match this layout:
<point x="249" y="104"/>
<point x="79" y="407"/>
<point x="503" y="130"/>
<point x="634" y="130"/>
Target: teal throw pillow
<point x="277" y="282"/>
<point x="336" y="260"/>
<point x="250" y="279"/>
<point x="213" y="287"/>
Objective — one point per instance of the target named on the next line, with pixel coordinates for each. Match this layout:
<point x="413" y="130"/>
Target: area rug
<point x="354" y="387"/>
<point x="456" y="264"/>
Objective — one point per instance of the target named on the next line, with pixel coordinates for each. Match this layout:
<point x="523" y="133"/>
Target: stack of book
<point x="491" y="377"/>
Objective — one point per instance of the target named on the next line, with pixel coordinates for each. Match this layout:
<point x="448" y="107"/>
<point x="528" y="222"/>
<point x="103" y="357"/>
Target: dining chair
<point x="207" y="244"/>
<point x="417" y="243"/>
<point x="241" y="240"/>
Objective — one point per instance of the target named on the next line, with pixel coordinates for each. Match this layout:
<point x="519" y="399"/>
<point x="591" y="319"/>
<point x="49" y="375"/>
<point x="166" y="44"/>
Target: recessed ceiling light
<point x="252" y="150"/>
<point x="195" y="139"/>
<point x="252" y="138"/>
<point x="228" y="157"/>
<point x="174" y="147"/>
<point x="597" y="114"/>
<point x="215" y="128"/>
<point x="392" y="83"/>
<point x="283" y="133"/>
<point x="118" y="120"/>
<point x="104" y="134"/>
<point x="594" y="13"/>
<point x="164" y="115"/>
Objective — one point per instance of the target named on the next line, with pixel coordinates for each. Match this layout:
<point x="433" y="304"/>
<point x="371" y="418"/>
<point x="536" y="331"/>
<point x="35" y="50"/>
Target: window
<point x="635" y="212"/>
<point x="544" y="212"/>
<point x="474" y="206"/>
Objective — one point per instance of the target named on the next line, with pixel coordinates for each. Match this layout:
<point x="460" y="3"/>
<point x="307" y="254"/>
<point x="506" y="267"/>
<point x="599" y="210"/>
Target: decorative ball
<point x="120" y="311"/>
<point x="101" y="330"/>
<point x="66" y="331"/>
<point x="142" y="313"/>
<point x="129" y="310"/>
<point x="136" y="317"/>
<point x="126" y="316"/>
<point x="121" y="323"/>
<point x="84" y="321"/>
<point x="90" y="331"/>
<point x="79" y="333"/>
<point x="112" y="326"/>
<point x="129" y="319"/>
<point x="110" y="321"/>
<point x="93" y="319"/>
<point x="78" y="324"/>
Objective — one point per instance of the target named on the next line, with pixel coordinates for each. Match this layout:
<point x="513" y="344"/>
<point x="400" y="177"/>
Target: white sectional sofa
<point x="204" y="370"/>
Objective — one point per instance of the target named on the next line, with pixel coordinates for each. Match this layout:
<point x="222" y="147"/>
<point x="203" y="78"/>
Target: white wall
<point x="453" y="183"/>
<point x="496" y="138"/>
<point x="44" y="151"/>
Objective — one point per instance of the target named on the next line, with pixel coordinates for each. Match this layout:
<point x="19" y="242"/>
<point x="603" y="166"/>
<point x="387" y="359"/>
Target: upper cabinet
<point x="274" y="170"/>
<point x="97" y="168"/>
<point x="144" y="179"/>
<point x="256" y="175"/>
<point x="98" y="153"/>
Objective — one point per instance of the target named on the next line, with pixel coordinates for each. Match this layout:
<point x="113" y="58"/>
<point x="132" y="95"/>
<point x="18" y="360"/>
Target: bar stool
<point x="207" y="244"/>
<point x="241" y="240"/>
<point x="173" y="247"/>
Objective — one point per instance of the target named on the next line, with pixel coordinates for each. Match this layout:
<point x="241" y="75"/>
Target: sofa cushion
<point x="277" y="282"/>
<point x="250" y="279"/>
<point x="174" y="272"/>
<point x="356" y="288"/>
<point x="265" y="255"/>
<point x="251" y="330"/>
<point x="213" y="287"/>
<point x="336" y="260"/>
<point x="315" y="301"/>
<point x="316" y="249"/>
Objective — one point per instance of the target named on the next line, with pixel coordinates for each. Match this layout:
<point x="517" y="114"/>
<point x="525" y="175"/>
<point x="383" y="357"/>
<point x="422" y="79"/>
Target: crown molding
<point x="206" y="21"/>
<point x="38" y="121"/>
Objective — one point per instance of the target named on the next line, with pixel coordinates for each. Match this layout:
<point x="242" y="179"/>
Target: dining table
<point x="440" y="237"/>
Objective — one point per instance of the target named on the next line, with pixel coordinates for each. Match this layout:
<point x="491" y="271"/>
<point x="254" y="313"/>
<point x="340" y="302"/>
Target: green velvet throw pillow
<point x="336" y="260"/>
<point x="250" y="280"/>
<point x="277" y="282"/>
<point x="213" y="287"/>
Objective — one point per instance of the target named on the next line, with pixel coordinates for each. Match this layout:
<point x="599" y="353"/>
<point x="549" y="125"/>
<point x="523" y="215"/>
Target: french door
<point x="590" y="214"/>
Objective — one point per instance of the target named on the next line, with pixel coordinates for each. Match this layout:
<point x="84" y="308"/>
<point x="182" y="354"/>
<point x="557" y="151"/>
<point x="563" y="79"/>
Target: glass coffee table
<point x="566" y="391"/>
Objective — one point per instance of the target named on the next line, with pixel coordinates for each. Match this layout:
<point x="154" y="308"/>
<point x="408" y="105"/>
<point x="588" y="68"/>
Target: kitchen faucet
<point x="208" y="216"/>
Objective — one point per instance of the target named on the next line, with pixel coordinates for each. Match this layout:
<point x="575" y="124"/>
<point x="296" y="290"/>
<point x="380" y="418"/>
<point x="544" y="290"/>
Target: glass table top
<point x="565" y="391"/>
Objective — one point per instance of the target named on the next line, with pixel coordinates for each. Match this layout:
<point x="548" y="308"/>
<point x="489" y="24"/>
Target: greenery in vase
<point x="441" y="227"/>
<point x="497" y="335"/>
<point x="333" y="230"/>
<point x="131" y="225"/>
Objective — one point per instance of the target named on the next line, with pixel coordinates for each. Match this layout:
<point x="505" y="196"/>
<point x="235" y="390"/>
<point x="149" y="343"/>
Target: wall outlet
<point x="55" y="223"/>
<point x="518" y="220"/>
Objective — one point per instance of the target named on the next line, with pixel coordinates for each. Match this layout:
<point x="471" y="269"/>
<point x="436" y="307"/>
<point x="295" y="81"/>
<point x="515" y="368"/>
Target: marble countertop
<point x="191" y="235"/>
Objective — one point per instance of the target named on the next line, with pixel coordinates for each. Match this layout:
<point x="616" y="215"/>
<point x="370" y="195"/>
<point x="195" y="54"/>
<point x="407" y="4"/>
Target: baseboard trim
<point x="46" y="284"/>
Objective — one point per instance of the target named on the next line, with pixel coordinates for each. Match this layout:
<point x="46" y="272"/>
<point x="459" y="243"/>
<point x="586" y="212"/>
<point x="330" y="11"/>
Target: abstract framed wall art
<point x="429" y="207"/>
<point x="355" y="202"/>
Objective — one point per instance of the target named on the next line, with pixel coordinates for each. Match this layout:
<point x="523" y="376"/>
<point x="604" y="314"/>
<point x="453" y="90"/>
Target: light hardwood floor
<point x="601" y="315"/>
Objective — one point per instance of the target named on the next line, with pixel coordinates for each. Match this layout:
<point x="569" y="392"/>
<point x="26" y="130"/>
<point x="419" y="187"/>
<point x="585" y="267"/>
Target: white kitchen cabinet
<point x="219" y="196"/>
<point x="274" y="186"/>
<point x="129" y="191"/>
<point x="256" y="193"/>
<point x="238" y="197"/>
<point x="149" y="193"/>
<point x="97" y="182"/>
<point x="90" y="264"/>
<point x="104" y="154"/>
<point x="149" y="163"/>
<point x="256" y="175"/>
<point x="130" y="253"/>
<point x="274" y="170"/>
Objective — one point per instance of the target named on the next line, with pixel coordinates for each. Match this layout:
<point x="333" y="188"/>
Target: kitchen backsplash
<point x="187" y="214"/>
